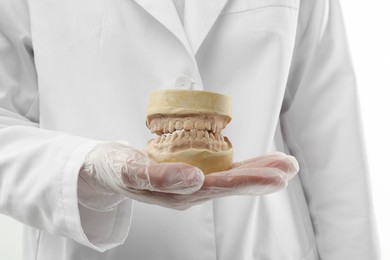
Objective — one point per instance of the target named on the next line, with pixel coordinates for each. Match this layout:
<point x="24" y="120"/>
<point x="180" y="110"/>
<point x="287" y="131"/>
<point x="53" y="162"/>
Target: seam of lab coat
<point x="38" y="243"/>
<point x="214" y="230"/>
<point x="303" y="174"/>
<point x="29" y="107"/>
<point x="310" y="255"/>
<point x="28" y="35"/>
<point x="102" y="19"/>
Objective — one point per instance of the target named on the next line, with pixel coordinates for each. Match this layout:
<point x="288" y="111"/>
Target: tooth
<point x="153" y="129"/>
<point x="224" y="124"/>
<point x="157" y="139"/>
<point x="214" y="127"/>
<point x="174" y="136"/>
<point x="179" y="125"/>
<point x="180" y="135"/>
<point x="188" y="125"/>
<point x="159" y="127"/>
<point x="207" y="135"/>
<point x="200" y="134"/>
<point x="208" y="125"/>
<point x="225" y="146"/>
<point x="171" y="126"/>
<point x="187" y="134"/>
<point x="219" y="127"/>
<point x="199" y="125"/>
<point x="165" y="129"/>
<point x="193" y="133"/>
<point x="217" y="137"/>
<point x="163" y="138"/>
<point x="212" y="136"/>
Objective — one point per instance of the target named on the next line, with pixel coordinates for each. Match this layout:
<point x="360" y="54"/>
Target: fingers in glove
<point x="262" y="158"/>
<point x="286" y="163"/>
<point x="222" y="184"/>
<point x="250" y="181"/>
<point x="236" y="180"/>
<point x="177" y="178"/>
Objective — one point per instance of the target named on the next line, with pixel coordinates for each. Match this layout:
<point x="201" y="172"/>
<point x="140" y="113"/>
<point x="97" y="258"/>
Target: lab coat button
<point x="183" y="82"/>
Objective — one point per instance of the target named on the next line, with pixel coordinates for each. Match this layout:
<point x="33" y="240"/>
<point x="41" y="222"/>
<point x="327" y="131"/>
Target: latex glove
<point x="119" y="168"/>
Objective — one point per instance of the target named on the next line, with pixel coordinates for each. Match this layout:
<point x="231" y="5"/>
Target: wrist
<point x="94" y="196"/>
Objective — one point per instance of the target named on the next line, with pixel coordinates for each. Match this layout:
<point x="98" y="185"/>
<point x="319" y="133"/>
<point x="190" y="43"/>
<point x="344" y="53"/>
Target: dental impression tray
<point x="188" y="124"/>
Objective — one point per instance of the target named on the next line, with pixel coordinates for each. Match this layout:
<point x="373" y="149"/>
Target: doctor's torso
<point x="98" y="60"/>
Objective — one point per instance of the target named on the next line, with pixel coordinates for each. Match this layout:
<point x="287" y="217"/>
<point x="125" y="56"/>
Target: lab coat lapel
<point x="199" y="18"/>
<point x="165" y="12"/>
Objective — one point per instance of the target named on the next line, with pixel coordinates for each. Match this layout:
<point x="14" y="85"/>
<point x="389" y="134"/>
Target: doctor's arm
<point x="39" y="168"/>
<point x="321" y="125"/>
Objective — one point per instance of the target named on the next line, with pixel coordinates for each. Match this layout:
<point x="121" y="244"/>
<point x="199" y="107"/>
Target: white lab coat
<point x="73" y="73"/>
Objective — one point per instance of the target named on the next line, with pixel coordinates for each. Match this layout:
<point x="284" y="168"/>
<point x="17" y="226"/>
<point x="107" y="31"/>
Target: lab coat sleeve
<point x="39" y="168"/>
<point x="321" y="125"/>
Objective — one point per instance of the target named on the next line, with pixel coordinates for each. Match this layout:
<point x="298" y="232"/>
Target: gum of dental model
<point x="189" y="125"/>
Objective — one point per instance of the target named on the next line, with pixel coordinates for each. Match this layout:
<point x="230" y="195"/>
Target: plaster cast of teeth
<point x="178" y="125"/>
<point x="188" y="124"/>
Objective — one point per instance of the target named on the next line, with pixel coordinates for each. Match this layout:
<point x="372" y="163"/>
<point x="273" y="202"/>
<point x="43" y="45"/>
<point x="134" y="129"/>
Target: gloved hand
<point x="118" y="168"/>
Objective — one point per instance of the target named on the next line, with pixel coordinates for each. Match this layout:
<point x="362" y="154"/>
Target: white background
<point x="368" y="29"/>
<point x="369" y="38"/>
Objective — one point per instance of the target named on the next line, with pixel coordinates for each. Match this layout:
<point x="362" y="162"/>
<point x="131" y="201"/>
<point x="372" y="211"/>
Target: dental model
<point x="188" y="124"/>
